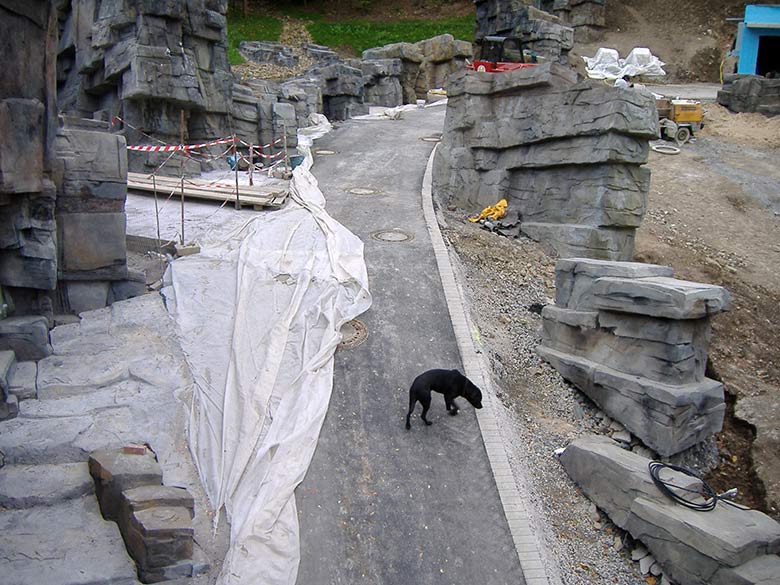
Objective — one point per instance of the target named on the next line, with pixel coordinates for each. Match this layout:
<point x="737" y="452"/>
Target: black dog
<point x="451" y="383"/>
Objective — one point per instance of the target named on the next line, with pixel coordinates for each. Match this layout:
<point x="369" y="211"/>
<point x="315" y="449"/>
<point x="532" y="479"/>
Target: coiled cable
<point x="711" y="498"/>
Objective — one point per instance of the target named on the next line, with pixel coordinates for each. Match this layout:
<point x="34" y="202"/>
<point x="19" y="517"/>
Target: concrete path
<point x="381" y="504"/>
<point x="706" y="92"/>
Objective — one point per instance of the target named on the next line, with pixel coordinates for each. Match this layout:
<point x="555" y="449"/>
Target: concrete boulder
<point x="726" y="545"/>
<point x="425" y="65"/>
<point x="541" y="32"/>
<point x="567" y="156"/>
<point x="635" y="341"/>
<point x="750" y="93"/>
<point x="268" y="52"/>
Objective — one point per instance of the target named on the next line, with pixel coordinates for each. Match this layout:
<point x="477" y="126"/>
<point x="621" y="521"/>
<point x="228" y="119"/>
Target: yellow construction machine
<point x="679" y="119"/>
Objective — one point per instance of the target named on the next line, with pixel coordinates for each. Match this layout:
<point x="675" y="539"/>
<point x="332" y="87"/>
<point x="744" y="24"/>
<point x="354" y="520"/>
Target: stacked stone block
<point x="28" y="124"/>
<point x="342" y="90"/>
<point x="155" y="520"/>
<point x="92" y="175"/>
<point x="541" y="32"/>
<point x="381" y="81"/>
<point x="425" y="65"/>
<point x="567" y="156"/>
<point x="751" y="93"/>
<point x="586" y="17"/>
<point x="634" y="339"/>
<point x="147" y="62"/>
<point x="726" y="546"/>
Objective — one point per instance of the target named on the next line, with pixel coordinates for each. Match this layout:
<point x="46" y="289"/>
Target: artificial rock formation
<point x="541" y="32"/>
<point x="155" y="520"/>
<point x="342" y="90"/>
<point x="567" y="156"/>
<point x="726" y="546"/>
<point x="751" y="93"/>
<point x="162" y="69"/>
<point x="425" y="65"/>
<point x="28" y="125"/>
<point x="634" y="340"/>
<point x="586" y="17"/>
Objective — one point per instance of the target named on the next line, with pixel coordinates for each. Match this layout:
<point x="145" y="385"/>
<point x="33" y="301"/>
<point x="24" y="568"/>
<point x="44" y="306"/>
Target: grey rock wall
<point x="28" y="124"/>
<point x="726" y="545"/>
<point x="634" y="340"/>
<point x="541" y="32"/>
<point x="425" y="65"/>
<point x="567" y="156"/>
<point x="750" y="93"/>
<point x="586" y="17"/>
<point x="147" y="62"/>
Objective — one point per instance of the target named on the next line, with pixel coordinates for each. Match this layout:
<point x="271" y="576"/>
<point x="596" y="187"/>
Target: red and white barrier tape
<point x="176" y="147"/>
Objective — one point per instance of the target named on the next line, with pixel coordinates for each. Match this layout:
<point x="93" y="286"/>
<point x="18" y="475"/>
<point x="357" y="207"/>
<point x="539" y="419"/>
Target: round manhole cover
<point x="362" y="191"/>
<point x="392" y="236"/>
<point x="431" y="138"/>
<point x="353" y="333"/>
<point x="324" y="151"/>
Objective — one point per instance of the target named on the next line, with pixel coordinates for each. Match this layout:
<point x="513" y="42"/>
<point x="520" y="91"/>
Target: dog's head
<point x="472" y="394"/>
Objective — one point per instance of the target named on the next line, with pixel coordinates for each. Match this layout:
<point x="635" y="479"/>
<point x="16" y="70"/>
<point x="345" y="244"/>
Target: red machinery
<point x="499" y="54"/>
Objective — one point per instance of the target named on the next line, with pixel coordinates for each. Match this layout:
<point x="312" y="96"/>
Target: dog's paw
<point x="453" y="412"/>
<point x="429" y="423"/>
<point x="408" y="426"/>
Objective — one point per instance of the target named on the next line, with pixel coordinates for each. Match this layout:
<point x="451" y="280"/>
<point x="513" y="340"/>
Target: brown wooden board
<point x="254" y="196"/>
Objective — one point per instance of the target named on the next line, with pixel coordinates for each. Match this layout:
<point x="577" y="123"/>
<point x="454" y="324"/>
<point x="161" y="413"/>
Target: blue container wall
<point x="748" y="50"/>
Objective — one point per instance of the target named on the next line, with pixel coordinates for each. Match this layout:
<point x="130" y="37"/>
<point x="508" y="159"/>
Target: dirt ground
<point x="714" y="216"/>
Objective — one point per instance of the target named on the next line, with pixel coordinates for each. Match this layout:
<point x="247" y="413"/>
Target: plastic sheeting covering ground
<point x="607" y="64"/>
<point x="259" y="313"/>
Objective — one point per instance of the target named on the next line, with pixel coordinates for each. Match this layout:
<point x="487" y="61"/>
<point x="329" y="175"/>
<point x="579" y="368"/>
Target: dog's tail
<point x="412" y="403"/>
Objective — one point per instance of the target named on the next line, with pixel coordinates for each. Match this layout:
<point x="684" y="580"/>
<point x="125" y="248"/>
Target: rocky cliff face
<point x="146" y="62"/>
<point x="566" y="155"/>
<point x="540" y="32"/>
<point x="28" y="126"/>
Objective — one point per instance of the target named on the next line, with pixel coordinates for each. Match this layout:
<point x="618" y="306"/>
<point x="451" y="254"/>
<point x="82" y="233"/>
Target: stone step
<point x="25" y="486"/>
<point x="7" y="367"/>
<point x="68" y="544"/>
<point x="22" y="382"/>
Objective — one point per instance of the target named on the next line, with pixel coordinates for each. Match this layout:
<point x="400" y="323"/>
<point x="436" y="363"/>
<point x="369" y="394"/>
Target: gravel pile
<point x="506" y="282"/>
<point x="294" y="35"/>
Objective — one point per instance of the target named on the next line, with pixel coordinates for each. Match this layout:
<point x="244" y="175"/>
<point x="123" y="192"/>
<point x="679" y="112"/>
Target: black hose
<point x="711" y="498"/>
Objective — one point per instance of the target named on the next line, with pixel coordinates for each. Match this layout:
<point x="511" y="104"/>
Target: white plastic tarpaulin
<point x="607" y="64"/>
<point x="259" y="312"/>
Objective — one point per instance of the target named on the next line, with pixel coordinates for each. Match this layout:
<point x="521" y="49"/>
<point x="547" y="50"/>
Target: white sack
<point x="259" y="313"/>
<point x="607" y="64"/>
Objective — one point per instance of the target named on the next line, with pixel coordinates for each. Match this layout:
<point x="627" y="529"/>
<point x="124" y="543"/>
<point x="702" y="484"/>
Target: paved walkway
<point x="381" y="504"/>
<point x="706" y="92"/>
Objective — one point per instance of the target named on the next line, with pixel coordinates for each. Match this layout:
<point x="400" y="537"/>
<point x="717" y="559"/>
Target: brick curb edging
<point x="525" y="540"/>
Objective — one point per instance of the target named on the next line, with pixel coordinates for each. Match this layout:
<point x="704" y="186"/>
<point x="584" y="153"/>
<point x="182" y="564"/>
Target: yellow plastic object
<point x="496" y="211"/>
<point x="687" y="111"/>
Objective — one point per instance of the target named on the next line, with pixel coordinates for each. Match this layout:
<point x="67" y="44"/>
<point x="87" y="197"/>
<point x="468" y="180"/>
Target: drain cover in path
<point x="392" y="236"/>
<point x="353" y="333"/>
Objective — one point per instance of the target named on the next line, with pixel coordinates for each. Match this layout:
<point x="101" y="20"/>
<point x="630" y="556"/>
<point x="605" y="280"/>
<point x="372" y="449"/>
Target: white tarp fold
<point x="259" y="312"/>
<point x="607" y="64"/>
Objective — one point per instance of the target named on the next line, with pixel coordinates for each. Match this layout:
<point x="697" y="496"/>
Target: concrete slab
<point x="25" y="486"/>
<point x="381" y="504"/>
<point x="67" y="544"/>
